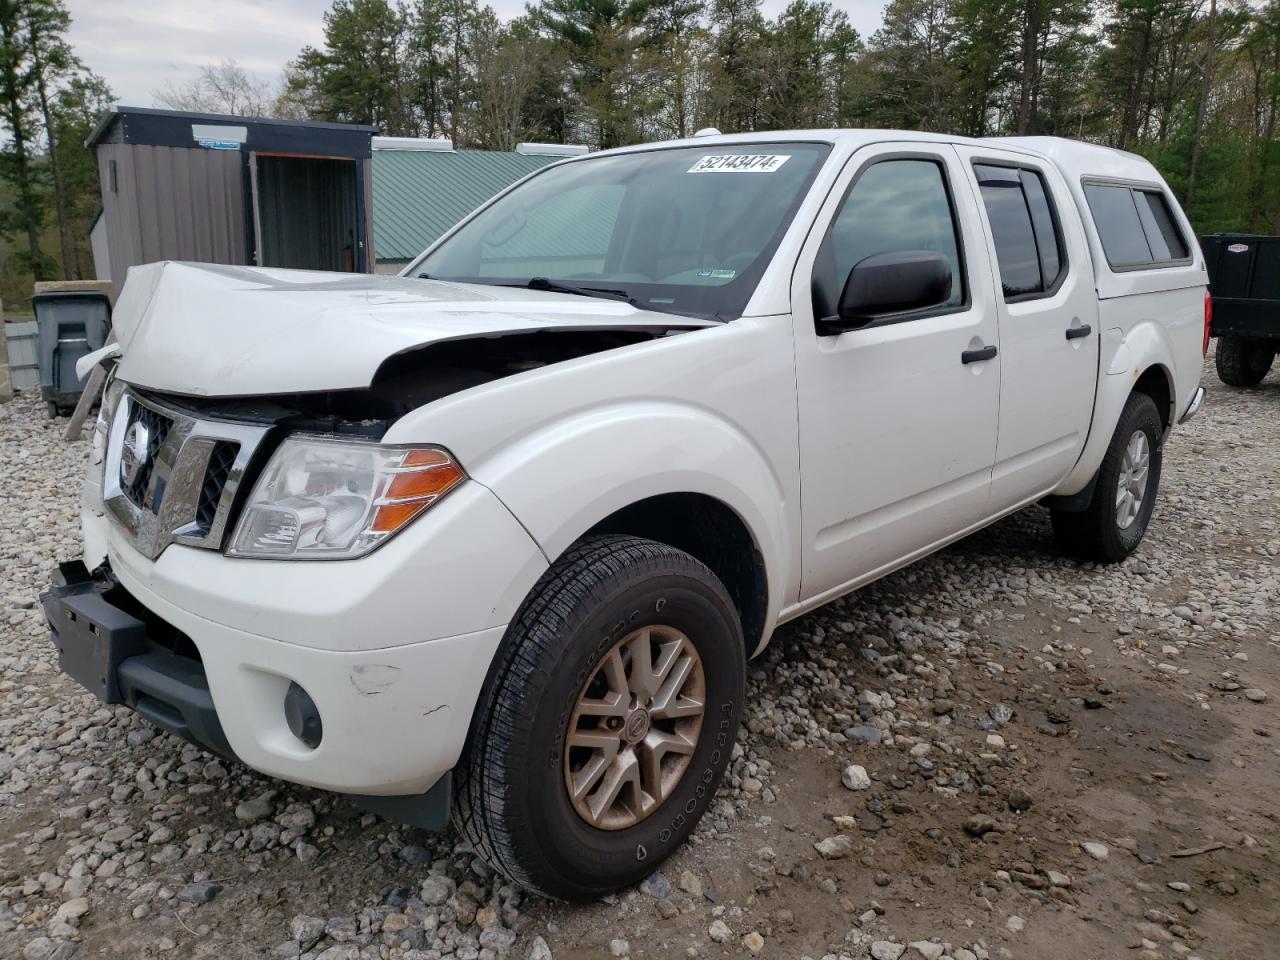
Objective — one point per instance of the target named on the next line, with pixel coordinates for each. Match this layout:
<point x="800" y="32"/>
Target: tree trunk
<point x="70" y="269"/>
<point x="1129" y="122"/>
<point x="681" y="63"/>
<point x="455" y="94"/>
<point x="1206" y="84"/>
<point x="27" y="203"/>
<point x="1030" y="56"/>
<point x="1258" y="212"/>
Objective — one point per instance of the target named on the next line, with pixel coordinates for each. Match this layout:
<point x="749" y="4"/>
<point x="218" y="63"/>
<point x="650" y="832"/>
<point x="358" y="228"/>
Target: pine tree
<point x="359" y="76"/>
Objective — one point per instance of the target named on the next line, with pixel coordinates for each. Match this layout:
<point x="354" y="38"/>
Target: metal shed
<point x="234" y="190"/>
<point x="421" y="188"/>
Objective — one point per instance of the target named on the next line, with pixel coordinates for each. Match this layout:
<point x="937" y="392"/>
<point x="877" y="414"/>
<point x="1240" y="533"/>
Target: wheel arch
<point x="711" y="532"/>
<point x="1075" y="493"/>
<point x="1156" y="381"/>
<point x="641" y="459"/>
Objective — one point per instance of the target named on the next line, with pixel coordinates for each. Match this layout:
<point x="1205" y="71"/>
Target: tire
<point x="1108" y="530"/>
<point x="1243" y="362"/>
<point x="512" y="801"/>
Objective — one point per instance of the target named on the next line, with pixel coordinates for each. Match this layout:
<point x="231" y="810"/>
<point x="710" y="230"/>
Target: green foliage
<point x="360" y="75"/>
<point x="1192" y="84"/>
<point x="1128" y="73"/>
<point x="48" y="102"/>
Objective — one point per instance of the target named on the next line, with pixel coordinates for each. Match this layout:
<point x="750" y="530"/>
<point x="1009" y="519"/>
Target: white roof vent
<point x="552" y="149"/>
<point x="440" y="145"/>
<point x="707" y="132"/>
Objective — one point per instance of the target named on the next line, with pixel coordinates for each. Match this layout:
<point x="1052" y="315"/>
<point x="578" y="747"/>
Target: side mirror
<point x="888" y="283"/>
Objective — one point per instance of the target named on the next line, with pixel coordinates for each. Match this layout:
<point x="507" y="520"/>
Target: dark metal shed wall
<point x="307" y="213"/>
<point x="171" y="203"/>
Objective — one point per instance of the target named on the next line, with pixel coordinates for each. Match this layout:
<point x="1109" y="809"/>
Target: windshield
<point x="686" y="230"/>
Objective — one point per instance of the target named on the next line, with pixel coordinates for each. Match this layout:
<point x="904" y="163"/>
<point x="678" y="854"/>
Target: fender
<point x="710" y="412"/>
<point x="684" y="450"/>
<point x="1125" y="358"/>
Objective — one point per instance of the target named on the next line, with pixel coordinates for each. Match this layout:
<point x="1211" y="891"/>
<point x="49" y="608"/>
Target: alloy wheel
<point x="634" y="727"/>
<point x="1131" y="488"/>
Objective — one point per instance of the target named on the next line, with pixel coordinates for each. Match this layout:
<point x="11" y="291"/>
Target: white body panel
<point x="206" y="330"/>
<point x="897" y="436"/>
<point x="845" y="456"/>
<point x="1046" y="380"/>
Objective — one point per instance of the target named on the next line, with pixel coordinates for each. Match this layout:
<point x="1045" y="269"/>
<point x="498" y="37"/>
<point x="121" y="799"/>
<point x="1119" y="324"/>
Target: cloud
<point x="139" y="46"/>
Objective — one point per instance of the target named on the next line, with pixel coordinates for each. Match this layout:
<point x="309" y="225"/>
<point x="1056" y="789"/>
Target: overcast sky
<point x="139" y="45"/>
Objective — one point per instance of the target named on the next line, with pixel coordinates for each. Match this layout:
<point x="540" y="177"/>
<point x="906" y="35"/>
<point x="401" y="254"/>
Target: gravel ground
<point x="995" y="753"/>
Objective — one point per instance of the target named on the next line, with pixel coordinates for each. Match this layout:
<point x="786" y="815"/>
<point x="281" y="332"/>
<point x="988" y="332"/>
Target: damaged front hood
<point x="206" y="330"/>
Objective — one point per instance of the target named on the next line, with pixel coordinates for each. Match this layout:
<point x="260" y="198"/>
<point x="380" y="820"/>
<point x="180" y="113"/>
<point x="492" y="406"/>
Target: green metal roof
<point x="419" y="194"/>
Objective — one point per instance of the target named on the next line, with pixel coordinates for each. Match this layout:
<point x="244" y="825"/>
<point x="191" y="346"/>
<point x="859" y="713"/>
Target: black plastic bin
<point x="71" y="324"/>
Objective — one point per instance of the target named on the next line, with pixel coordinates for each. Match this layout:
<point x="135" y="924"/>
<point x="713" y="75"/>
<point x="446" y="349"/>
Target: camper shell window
<point x="1136" y="226"/>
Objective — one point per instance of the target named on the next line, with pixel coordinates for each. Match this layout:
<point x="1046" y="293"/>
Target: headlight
<point x="327" y="499"/>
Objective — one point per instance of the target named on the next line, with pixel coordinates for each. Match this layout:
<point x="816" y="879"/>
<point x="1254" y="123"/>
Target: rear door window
<point x="1136" y="226"/>
<point x="1023" y="227"/>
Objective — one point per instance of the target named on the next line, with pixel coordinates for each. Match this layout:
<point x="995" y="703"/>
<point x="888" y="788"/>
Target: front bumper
<point x="124" y="654"/>
<point x="392" y="648"/>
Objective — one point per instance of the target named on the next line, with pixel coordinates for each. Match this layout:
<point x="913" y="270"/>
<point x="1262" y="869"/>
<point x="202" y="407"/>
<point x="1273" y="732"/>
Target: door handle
<point x="1075" y="333"/>
<point x="977" y="356"/>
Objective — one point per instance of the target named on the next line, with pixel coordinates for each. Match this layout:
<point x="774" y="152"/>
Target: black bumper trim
<point x="429" y="810"/>
<point x="172" y="693"/>
<point x="107" y="650"/>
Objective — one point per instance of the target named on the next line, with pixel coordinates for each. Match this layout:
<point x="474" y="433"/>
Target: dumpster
<point x="70" y="324"/>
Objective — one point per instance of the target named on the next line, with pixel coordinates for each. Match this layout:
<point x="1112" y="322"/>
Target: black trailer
<point x="235" y="190"/>
<point x="1244" y="279"/>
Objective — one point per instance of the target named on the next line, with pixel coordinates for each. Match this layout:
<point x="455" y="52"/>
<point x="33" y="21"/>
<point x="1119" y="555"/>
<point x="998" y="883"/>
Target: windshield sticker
<point x="740" y="163"/>
<point x="718" y="274"/>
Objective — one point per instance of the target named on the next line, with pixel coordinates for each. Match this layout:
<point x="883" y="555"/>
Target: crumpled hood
<point x="209" y="330"/>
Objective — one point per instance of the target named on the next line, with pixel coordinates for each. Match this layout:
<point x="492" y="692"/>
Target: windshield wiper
<point x="556" y="286"/>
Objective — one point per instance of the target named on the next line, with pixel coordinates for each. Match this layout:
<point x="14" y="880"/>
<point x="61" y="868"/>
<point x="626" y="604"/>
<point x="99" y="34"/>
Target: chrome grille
<point x="221" y="460"/>
<point x="155" y="427"/>
<point x="171" y="477"/>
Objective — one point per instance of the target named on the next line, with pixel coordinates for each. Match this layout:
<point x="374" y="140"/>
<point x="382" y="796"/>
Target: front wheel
<point x="607" y="720"/>
<point x="1114" y="523"/>
<point x="1242" y="362"/>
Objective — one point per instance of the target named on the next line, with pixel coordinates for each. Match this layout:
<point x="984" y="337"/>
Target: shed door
<point x="306" y="212"/>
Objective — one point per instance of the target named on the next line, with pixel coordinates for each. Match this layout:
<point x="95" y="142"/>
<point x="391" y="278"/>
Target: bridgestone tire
<point x="1243" y="362"/>
<point x="511" y="803"/>
<point x="1095" y="534"/>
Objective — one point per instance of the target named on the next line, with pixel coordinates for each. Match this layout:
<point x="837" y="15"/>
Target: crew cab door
<point x="897" y="430"/>
<point x="1049" y="330"/>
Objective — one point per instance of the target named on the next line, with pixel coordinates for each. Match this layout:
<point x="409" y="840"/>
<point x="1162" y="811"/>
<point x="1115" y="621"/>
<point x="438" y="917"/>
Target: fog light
<point x="302" y="716"/>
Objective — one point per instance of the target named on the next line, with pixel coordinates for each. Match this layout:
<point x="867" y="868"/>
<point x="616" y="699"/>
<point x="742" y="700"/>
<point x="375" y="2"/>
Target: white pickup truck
<point x="496" y="537"/>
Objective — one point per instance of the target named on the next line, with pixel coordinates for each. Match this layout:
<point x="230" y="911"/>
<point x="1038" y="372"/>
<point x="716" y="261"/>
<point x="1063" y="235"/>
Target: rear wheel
<point x="1243" y="362"/>
<point x="1116" y="519"/>
<point x="607" y="721"/>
